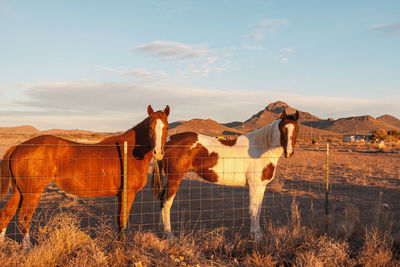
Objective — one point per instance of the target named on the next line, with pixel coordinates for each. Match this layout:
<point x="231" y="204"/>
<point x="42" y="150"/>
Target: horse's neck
<point x="266" y="137"/>
<point x="138" y="135"/>
<point x="143" y="146"/>
<point x="142" y="133"/>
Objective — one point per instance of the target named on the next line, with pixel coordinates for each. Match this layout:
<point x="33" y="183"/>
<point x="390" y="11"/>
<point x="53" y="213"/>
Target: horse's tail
<point x="157" y="179"/>
<point x="5" y="173"/>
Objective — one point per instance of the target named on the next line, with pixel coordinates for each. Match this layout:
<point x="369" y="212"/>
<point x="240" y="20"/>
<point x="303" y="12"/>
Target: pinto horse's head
<point x="288" y="128"/>
<point x="158" y="126"/>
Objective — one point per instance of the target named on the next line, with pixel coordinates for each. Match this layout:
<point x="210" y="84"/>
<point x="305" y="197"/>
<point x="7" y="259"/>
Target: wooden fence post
<point x="125" y="188"/>
<point x="327" y="186"/>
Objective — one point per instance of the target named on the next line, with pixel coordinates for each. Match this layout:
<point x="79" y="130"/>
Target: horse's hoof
<point x="256" y="237"/>
<point x="170" y="236"/>
<point x="3" y="235"/>
<point x="27" y="246"/>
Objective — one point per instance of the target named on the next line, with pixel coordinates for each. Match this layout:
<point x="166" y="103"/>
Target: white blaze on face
<point x="158" y="131"/>
<point x="289" y="147"/>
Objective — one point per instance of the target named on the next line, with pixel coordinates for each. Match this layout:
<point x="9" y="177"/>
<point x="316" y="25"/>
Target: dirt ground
<point x="364" y="188"/>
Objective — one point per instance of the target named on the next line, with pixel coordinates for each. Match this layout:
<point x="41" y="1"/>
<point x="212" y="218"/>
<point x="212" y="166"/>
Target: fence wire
<point x="364" y="187"/>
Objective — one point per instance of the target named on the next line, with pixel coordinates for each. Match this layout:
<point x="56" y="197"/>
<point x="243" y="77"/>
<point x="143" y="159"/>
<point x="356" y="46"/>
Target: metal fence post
<point x="125" y="188"/>
<point x="327" y="186"/>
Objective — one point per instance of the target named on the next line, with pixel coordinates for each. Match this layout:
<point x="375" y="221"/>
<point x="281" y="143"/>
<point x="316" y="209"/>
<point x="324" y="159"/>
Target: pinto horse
<point x="250" y="160"/>
<point x="88" y="170"/>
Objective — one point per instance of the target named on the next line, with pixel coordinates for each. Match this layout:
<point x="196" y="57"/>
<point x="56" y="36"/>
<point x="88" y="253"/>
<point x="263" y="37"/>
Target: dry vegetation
<point x="62" y="242"/>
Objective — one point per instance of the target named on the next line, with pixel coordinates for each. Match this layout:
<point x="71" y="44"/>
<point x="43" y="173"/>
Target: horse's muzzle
<point x="159" y="155"/>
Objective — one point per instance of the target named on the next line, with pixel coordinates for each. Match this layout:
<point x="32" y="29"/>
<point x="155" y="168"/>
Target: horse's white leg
<point x="26" y="242"/>
<point x="3" y="234"/>
<point x="165" y="215"/>
<point x="256" y="198"/>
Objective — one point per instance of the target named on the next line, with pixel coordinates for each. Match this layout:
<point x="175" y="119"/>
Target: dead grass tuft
<point x="324" y="251"/>
<point x="62" y="243"/>
<point x="377" y="249"/>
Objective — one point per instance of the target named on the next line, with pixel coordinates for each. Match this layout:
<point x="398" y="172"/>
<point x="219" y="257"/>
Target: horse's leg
<point x="28" y="206"/>
<point x="256" y="198"/>
<point x="8" y="211"/>
<point x="168" y="196"/>
<point x="130" y="197"/>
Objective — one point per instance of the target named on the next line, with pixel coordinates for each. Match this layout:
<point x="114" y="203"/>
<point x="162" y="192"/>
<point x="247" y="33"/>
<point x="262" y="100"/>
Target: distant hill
<point x="207" y="127"/>
<point x="309" y="125"/>
<point x="25" y="129"/>
<point x="67" y="132"/>
<point x="175" y="124"/>
<point x="389" y="120"/>
<point x="359" y="124"/>
<point x="270" y="113"/>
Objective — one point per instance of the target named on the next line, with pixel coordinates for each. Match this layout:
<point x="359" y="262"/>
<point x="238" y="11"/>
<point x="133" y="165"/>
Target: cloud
<point x="105" y="106"/>
<point x="194" y="60"/>
<point x="339" y="107"/>
<point x="287" y="51"/>
<point x="58" y="103"/>
<point x="386" y="29"/>
<point x="138" y="73"/>
<point x="266" y="27"/>
<point x="173" y="51"/>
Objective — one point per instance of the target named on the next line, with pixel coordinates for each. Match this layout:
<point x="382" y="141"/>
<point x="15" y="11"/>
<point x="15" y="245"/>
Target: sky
<point x="97" y="65"/>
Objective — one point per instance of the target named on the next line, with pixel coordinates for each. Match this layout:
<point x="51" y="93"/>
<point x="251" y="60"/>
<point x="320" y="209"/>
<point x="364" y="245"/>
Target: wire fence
<point x="364" y="186"/>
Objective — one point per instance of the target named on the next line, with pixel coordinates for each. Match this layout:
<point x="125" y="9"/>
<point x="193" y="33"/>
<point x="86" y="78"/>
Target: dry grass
<point x="377" y="250"/>
<point x="62" y="242"/>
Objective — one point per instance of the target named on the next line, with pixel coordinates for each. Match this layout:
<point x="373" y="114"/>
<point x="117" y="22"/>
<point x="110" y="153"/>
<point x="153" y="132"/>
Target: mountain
<point x="351" y="125"/>
<point x="25" y="129"/>
<point x="270" y="113"/>
<point x="389" y="120"/>
<point x="207" y="127"/>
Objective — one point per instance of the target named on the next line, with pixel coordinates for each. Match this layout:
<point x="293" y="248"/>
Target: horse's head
<point x="158" y="126"/>
<point x="288" y="128"/>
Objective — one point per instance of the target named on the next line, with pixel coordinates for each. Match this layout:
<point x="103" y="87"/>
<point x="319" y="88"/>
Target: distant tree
<point x="379" y="135"/>
<point x="394" y="134"/>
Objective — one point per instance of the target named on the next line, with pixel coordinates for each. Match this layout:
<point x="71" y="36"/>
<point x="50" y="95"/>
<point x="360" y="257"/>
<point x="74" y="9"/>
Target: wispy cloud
<point x="287" y="51"/>
<point x="284" y="60"/>
<point x="173" y="51"/>
<point x="386" y="29"/>
<point x="284" y="54"/>
<point x="138" y="73"/>
<point x="266" y="27"/>
<point x="193" y="60"/>
<point x="105" y="106"/>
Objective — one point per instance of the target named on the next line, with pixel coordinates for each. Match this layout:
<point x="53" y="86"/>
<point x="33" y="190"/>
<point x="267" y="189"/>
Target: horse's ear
<point x="296" y="115"/>
<point x="166" y="110"/>
<point x="283" y="115"/>
<point x="150" y="110"/>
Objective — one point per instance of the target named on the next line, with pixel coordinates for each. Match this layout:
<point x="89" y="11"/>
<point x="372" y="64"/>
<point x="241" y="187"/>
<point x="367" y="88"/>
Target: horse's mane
<point x="263" y="137"/>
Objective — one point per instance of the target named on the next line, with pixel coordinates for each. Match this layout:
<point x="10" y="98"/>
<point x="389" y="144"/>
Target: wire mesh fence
<point x="364" y="185"/>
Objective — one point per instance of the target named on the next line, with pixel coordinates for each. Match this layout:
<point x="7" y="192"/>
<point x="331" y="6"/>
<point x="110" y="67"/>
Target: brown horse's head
<point x="288" y="128"/>
<point x="158" y="130"/>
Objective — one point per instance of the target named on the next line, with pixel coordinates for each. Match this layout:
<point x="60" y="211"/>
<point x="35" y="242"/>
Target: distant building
<point x="357" y="138"/>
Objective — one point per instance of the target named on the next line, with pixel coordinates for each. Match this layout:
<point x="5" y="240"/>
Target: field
<point x="211" y="222"/>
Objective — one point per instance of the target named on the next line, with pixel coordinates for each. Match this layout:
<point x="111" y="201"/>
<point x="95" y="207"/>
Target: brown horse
<point x="89" y="170"/>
